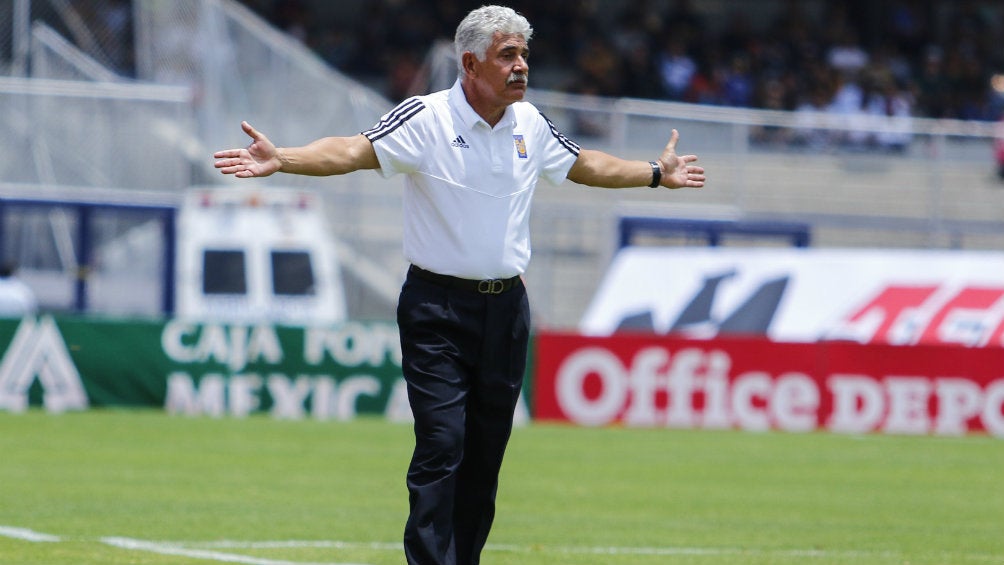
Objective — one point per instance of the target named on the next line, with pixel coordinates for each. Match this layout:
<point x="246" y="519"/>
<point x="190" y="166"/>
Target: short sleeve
<point x="560" y="153"/>
<point x="398" y="138"/>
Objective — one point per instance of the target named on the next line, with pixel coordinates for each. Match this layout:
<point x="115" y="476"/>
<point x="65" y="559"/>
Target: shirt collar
<point x="467" y="114"/>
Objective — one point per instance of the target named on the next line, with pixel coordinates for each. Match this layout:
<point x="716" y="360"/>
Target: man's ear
<point x="469" y="62"/>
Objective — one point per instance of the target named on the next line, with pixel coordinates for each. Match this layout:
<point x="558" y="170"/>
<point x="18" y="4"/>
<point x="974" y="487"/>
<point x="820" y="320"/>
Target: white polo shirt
<point x="469" y="186"/>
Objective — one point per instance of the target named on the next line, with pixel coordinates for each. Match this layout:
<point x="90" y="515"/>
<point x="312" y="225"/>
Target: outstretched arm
<point x="325" y="156"/>
<point x="596" y="168"/>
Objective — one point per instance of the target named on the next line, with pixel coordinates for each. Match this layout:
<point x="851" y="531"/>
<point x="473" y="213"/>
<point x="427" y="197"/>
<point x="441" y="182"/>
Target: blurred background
<point x="822" y="123"/>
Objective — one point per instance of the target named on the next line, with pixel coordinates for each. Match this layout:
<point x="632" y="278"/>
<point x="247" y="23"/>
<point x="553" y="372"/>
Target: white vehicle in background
<point x="249" y="255"/>
<point x="219" y="254"/>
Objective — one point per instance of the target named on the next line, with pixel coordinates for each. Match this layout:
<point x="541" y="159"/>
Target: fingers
<point x="236" y="161"/>
<point x="228" y="158"/>
<point x="695" y="176"/>
<point x="227" y="154"/>
<point x="253" y="133"/>
<point x="684" y="174"/>
<point x="673" y="138"/>
<point x="229" y="162"/>
<point x="232" y="153"/>
<point x="236" y="170"/>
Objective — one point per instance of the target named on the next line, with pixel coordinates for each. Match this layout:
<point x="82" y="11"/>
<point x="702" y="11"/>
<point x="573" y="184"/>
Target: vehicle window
<point x="224" y="272"/>
<point x="292" y="273"/>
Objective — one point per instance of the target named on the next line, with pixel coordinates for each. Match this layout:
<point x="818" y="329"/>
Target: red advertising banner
<point x="757" y="384"/>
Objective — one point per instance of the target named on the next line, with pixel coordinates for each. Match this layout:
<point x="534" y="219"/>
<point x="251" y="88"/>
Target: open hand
<point x="677" y="172"/>
<point x="259" y="159"/>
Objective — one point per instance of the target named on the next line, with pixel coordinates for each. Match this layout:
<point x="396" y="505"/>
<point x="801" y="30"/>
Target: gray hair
<point x="475" y="32"/>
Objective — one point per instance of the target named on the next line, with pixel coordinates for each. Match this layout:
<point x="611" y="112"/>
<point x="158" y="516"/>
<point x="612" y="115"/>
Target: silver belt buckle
<point x="490" y="286"/>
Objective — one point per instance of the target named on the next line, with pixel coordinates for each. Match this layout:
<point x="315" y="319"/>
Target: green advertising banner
<point x="325" y="372"/>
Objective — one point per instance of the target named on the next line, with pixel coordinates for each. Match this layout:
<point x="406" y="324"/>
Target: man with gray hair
<point x="472" y="156"/>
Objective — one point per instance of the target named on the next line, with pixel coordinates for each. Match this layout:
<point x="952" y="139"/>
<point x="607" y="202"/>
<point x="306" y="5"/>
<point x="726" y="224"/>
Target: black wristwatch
<point x="656" y="174"/>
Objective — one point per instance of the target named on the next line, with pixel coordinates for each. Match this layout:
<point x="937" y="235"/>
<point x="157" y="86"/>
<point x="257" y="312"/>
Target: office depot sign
<point x="756" y="384"/>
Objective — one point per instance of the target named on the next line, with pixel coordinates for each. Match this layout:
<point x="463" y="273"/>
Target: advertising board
<point x="323" y="371"/>
<point x="901" y="297"/>
<point x="756" y="384"/>
<point x="326" y="372"/>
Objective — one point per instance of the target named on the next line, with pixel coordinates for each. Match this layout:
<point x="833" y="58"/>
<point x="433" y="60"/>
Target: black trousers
<point x="464" y="355"/>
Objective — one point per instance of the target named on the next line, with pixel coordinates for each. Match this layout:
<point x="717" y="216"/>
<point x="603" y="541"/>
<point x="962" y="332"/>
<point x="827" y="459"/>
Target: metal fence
<point x="938" y="189"/>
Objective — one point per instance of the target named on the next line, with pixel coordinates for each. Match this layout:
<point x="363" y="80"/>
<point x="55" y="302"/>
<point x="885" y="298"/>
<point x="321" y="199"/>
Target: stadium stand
<point x="934" y="58"/>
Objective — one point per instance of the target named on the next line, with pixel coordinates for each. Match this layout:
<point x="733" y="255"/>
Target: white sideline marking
<point x="297" y="544"/>
<point x="206" y="550"/>
<point x="176" y="549"/>
<point x="24" y="534"/>
<point x="580" y="550"/>
<point x="386" y="546"/>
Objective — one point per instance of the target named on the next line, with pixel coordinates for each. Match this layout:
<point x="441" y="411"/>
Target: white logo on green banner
<point x="39" y="352"/>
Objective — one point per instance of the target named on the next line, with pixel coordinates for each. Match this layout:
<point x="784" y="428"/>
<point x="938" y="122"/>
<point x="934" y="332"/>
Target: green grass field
<point x="140" y="487"/>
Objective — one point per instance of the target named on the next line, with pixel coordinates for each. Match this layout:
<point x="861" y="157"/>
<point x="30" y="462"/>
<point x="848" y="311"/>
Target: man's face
<point x="503" y="73"/>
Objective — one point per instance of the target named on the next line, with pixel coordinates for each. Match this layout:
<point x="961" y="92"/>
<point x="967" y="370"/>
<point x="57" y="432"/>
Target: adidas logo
<point x="459" y="142"/>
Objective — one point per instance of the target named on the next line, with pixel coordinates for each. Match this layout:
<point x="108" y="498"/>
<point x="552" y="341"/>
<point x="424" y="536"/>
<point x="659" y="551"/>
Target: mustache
<point x="517" y="77"/>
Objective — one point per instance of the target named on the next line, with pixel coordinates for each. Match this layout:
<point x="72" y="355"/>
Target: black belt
<point x="485" y="286"/>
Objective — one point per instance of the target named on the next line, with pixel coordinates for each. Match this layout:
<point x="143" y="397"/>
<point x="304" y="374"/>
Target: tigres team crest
<point x="520" y="146"/>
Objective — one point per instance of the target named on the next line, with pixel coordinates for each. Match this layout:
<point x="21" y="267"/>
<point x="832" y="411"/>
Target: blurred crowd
<point x="929" y="58"/>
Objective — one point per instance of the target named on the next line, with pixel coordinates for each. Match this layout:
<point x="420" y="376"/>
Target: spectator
<point x="676" y="69"/>
<point x="772" y="98"/>
<point x="598" y="69"/>
<point x="968" y="86"/>
<point x="639" y="67"/>
<point x="847" y="55"/>
<point x="889" y="101"/>
<point x="848" y="103"/>
<point x="738" y="84"/>
<point x="632" y="38"/>
<point x="933" y="86"/>
<point x="808" y="113"/>
<point x="707" y="84"/>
